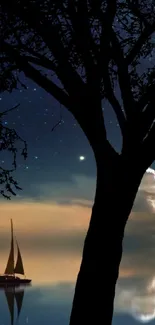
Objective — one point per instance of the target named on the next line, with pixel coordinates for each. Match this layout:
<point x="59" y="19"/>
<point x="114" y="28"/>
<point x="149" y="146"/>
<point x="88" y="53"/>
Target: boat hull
<point x="13" y="281"/>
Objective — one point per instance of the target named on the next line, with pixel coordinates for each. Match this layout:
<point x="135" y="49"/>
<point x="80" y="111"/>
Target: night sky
<point x="51" y="213"/>
<point x="59" y="156"/>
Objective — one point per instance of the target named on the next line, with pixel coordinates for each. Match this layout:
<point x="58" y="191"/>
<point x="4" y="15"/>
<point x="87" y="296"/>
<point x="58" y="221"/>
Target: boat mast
<point x="12" y="245"/>
<point x="10" y="264"/>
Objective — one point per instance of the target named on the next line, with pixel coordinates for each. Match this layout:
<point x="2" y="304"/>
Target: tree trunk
<point x="95" y="288"/>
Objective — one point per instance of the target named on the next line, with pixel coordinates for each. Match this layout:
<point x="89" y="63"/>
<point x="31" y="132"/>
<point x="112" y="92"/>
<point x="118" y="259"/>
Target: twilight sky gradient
<point x="51" y="213"/>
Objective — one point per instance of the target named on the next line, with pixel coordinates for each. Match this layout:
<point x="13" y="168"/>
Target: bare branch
<point x="149" y="29"/>
<point x="115" y="105"/>
<point x="65" y="71"/>
<point x="9" y="110"/>
<point x="109" y="94"/>
<point x="147" y="96"/>
<point x="83" y="39"/>
<point x="58" y="123"/>
<point x="123" y="76"/>
<point x="133" y="6"/>
<point x="106" y="20"/>
<point x="105" y="52"/>
<point x="40" y="61"/>
<point x="37" y="76"/>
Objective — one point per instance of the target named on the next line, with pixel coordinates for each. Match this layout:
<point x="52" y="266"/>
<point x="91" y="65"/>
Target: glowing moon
<point x="81" y="158"/>
<point x="143" y="307"/>
<point x="150" y="171"/>
<point x="145" y="318"/>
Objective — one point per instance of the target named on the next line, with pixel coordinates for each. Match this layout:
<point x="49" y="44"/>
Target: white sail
<point x="19" y="268"/>
<point x="10" y="264"/>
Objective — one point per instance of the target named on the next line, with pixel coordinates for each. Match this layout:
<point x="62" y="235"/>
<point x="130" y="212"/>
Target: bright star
<point x="81" y="158"/>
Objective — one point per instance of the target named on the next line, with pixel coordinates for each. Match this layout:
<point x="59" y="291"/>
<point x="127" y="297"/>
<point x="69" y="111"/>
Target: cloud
<point x="46" y="226"/>
<point x="70" y="242"/>
<point x="135" y="293"/>
<point x="142" y="202"/>
<point x="81" y="188"/>
<point x="136" y="298"/>
<point x="145" y="199"/>
<point x="139" y="247"/>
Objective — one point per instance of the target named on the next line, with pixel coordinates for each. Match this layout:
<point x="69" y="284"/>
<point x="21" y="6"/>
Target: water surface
<point x="45" y="304"/>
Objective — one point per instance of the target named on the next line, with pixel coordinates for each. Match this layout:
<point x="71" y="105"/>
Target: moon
<point x="150" y="171"/>
<point x="145" y="318"/>
<point x="143" y="307"/>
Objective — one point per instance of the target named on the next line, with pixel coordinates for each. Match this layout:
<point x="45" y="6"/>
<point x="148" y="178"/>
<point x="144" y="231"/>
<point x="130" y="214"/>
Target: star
<point x="81" y="158"/>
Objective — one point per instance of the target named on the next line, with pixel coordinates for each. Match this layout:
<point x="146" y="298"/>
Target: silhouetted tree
<point x="83" y="52"/>
<point x="8" y="142"/>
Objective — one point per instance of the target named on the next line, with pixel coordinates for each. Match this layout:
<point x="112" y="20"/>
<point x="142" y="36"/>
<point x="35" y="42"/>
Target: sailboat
<point x="9" y="277"/>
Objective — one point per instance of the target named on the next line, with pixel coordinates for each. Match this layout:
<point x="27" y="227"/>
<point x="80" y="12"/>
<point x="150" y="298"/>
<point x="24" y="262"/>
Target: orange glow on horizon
<point x="36" y="224"/>
<point x="51" y="238"/>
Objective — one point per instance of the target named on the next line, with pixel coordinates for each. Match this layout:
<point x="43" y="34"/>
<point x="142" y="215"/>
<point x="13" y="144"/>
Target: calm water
<point x="43" y="305"/>
<point x="51" y="238"/>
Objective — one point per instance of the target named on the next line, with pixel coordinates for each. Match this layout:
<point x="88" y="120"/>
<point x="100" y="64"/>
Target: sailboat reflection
<point x="13" y="294"/>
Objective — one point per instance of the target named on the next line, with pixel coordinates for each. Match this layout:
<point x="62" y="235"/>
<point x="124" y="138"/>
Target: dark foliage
<point x="8" y="142"/>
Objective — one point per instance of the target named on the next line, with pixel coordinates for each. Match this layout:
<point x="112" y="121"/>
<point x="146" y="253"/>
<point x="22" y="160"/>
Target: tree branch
<point x="104" y="59"/>
<point x="115" y="104"/>
<point x="58" y="123"/>
<point x="83" y="39"/>
<point x="8" y="137"/>
<point x="42" y="61"/>
<point x="65" y="71"/>
<point x="42" y="26"/>
<point x="134" y="9"/>
<point x="109" y="94"/>
<point x="149" y="29"/>
<point x="9" y="110"/>
<point x="123" y="77"/>
<point x="37" y="76"/>
<point x="146" y="97"/>
<point x="106" y="20"/>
